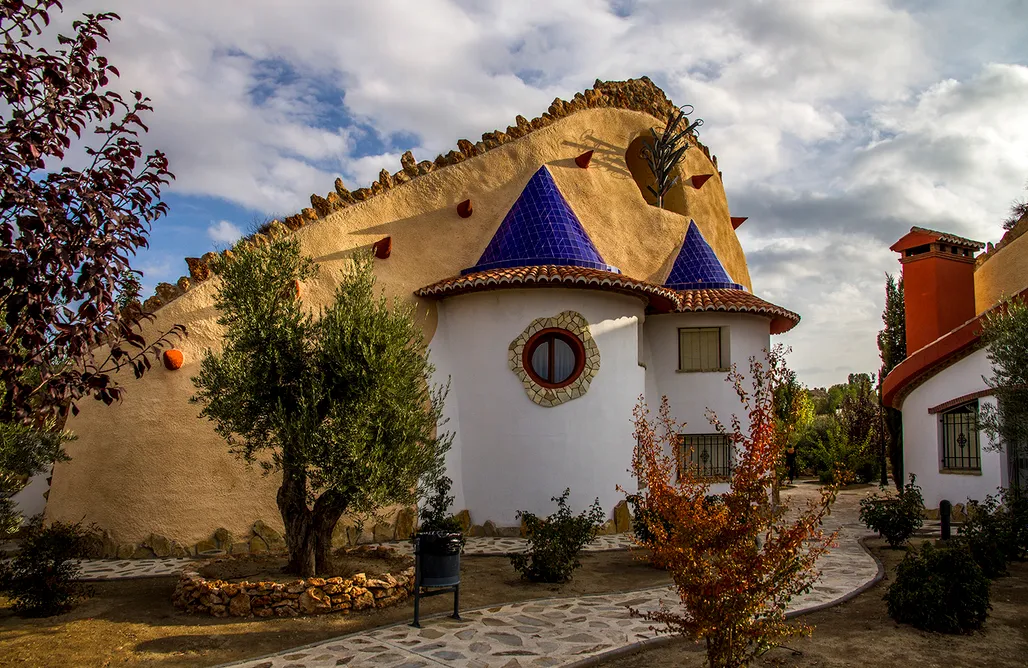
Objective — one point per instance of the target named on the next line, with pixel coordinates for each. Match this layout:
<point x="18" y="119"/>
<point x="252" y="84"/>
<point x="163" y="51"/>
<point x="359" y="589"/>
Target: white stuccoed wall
<point x="691" y="394"/>
<point x="440" y="356"/>
<point x="922" y="449"/>
<point x="514" y="454"/>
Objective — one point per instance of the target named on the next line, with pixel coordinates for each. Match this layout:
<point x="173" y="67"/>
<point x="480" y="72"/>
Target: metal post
<point x="417" y="589"/>
<point x="945" y="510"/>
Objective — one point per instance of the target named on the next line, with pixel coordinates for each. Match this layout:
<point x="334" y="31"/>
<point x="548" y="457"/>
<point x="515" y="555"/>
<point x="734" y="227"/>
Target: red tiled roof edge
<point x="936" y="356"/>
<point x="738" y="301"/>
<point x="660" y="297"/>
<point x="552" y="276"/>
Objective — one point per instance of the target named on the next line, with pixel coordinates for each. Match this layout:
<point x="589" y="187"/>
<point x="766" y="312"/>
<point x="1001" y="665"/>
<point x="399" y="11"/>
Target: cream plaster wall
<point x="1003" y="275"/>
<point x="922" y="449"/>
<point x="150" y="465"/>
<point x="516" y="455"/>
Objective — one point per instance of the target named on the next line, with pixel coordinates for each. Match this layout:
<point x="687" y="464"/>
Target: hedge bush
<point x="942" y="590"/>
<point x="41" y="578"/>
<point x="987" y="535"/>
<point x="554" y="542"/>
<point x="897" y="517"/>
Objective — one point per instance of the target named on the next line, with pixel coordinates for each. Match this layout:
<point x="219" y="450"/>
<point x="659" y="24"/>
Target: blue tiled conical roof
<point x="697" y="266"/>
<point x="540" y="229"/>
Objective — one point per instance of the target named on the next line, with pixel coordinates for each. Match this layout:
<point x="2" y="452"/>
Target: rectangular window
<point x="706" y="455"/>
<point x="961" y="449"/>
<point x="699" y="349"/>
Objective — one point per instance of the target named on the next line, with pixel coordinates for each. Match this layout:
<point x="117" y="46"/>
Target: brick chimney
<point x="938" y="283"/>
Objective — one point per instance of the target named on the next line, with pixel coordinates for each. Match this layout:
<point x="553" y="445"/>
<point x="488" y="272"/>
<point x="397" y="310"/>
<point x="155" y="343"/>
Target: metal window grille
<point x="706" y="455"/>
<point x="961" y="447"/>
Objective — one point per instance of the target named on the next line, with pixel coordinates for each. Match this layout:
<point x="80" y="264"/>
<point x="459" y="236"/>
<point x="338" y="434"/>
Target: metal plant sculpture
<point x="665" y="151"/>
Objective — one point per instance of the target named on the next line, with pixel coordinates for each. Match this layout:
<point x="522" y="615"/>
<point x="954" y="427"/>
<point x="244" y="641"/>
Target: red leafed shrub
<point x="735" y="558"/>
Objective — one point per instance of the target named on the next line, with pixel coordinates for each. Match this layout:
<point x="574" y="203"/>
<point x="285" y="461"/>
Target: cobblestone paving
<point x="123" y="569"/>
<point x="561" y="632"/>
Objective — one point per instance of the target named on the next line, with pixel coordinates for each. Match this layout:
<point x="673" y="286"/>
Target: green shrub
<point x="435" y="515"/>
<point x="987" y="534"/>
<point x="554" y="542"/>
<point x="41" y="578"/>
<point x="827" y="451"/>
<point x="643" y="518"/>
<point x="942" y="590"/>
<point x="1016" y="506"/>
<point x="895" y="518"/>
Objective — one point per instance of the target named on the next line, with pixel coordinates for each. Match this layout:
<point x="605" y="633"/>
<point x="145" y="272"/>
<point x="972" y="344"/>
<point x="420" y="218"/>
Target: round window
<point x="554" y="357"/>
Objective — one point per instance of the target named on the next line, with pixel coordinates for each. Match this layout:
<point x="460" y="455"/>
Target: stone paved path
<point x="123" y="569"/>
<point x="562" y="632"/>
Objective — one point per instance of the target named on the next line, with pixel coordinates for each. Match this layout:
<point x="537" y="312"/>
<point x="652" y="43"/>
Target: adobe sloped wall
<point x="1004" y="273"/>
<point x="149" y="465"/>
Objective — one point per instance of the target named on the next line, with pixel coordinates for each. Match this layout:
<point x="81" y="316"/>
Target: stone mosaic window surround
<point x="575" y="324"/>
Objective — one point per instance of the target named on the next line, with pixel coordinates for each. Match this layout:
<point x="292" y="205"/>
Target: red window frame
<point x="545" y="337"/>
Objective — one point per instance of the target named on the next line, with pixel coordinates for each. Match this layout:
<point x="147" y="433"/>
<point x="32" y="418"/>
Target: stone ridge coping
<point x="1008" y="237"/>
<point x="640" y="95"/>
<point x="310" y="596"/>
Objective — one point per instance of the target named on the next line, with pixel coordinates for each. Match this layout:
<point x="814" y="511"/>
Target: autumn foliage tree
<point x="737" y="558"/>
<point x="73" y="212"/>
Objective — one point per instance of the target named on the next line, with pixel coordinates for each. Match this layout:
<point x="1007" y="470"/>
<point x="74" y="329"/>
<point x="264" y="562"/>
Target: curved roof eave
<point x="660" y="298"/>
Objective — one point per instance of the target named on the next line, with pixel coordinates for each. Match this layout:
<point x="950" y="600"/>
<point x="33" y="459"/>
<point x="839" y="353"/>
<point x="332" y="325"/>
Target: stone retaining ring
<point x="195" y="593"/>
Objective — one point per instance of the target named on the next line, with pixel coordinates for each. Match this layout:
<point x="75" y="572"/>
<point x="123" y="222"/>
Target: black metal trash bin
<point x="437" y="566"/>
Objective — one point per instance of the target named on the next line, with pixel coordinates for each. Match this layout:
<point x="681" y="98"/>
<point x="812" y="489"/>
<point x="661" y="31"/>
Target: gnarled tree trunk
<point x="329" y="507"/>
<point x="308" y="532"/>
<point x="297" y="518"/>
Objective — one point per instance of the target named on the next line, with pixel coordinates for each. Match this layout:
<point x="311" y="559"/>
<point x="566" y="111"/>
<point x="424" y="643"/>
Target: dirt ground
<point x="861" y="633"/>
<point x="132" y="622"/>
<point x="254" y="568"/>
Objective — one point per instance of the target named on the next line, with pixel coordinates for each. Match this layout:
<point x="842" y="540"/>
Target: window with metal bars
<point x="961" y="448"/>
<point x="706" y="455"/>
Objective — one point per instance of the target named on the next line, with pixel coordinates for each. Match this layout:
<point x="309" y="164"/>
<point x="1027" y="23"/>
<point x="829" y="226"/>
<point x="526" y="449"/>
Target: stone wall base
<point x="312" y="596"/>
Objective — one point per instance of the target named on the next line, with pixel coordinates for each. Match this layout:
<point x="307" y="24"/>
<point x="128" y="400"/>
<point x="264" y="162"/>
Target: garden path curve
<point x="566" y="631"/>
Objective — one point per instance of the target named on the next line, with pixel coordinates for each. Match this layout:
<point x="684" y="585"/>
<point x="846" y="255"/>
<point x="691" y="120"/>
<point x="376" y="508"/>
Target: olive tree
<point x="1006" y="333"/>
<point x="337" y="401"/>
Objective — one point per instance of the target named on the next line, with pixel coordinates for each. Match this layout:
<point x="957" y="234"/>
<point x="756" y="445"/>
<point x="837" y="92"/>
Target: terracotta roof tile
<point x="660" y="298"/>
<point x="947" y="238"/>
<point x="552" y="276"/>
<point x="737" y="301"/>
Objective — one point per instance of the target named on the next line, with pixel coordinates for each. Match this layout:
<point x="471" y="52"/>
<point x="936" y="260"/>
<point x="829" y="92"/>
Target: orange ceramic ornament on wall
<point x="173" y="359"/>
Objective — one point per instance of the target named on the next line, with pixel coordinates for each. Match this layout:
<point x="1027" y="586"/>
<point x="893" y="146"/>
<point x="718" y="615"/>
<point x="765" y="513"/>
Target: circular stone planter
<point x="195" y="593"/>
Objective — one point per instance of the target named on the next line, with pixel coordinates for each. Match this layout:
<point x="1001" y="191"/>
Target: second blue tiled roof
<point x="697" y="267"/>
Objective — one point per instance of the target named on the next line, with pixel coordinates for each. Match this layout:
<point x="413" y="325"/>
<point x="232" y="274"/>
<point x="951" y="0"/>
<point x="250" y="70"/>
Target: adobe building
<point x="940" y="387"/>
<point x="554" y="294"/>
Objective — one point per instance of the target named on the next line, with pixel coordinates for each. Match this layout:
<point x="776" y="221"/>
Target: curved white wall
<point x="922" y="454"/>
<point x="514" y="454"/>
<point x="690" y="394"/>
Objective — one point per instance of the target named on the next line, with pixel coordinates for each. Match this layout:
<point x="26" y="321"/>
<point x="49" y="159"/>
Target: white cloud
<point x="838" y="125"/>
<point x="224" y="232"/>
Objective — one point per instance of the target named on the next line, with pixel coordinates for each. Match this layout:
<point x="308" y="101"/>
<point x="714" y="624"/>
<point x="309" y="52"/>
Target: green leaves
<point x="665" y="151"/>
<point x="338" y="400"/>
<point x="555" y="541"/>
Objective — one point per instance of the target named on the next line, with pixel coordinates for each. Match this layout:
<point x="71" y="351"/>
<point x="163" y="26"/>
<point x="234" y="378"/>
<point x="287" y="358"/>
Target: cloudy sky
<point x="838" y="125"/>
